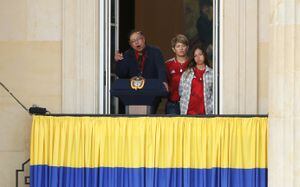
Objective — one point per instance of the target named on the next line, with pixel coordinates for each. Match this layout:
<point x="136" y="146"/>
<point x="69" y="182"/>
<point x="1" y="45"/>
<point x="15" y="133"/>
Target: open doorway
<point x="161" y="21"/>
<point x="124" y="13"/>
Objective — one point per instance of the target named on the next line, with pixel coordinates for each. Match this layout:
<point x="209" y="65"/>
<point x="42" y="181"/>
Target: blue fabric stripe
<point x="146" y="177"/>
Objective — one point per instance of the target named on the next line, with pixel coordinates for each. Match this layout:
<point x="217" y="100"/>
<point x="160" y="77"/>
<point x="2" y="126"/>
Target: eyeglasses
<point x="136" y="40"/>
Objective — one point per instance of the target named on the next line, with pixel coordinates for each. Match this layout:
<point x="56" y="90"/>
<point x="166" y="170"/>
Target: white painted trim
<point x="101" y="56"/>
<point x="216" y="47"/>
<point x="221" y="56"/>
<point x="107" y="56"/>
<point x="117" y="24"/>
<point x="117" y="31"/>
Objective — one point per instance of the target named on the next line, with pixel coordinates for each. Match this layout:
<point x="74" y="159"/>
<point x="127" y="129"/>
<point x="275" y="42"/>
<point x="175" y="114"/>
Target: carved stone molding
<point x="80" y="56"/>
<point x="238" y="59"/>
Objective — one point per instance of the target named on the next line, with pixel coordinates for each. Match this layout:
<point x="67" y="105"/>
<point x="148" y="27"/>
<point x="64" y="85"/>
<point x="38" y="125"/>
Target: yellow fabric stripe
<point x="177" y="142"/>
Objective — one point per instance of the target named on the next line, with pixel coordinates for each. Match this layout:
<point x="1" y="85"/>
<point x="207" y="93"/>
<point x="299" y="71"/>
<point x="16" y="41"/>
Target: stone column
<point x="284" y="94"/>
<point x="238" y="57"/>
<point x="80" y="56"/>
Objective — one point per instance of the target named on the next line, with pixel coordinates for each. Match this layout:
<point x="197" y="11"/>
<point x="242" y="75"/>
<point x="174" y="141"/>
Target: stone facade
<point x="48" y="56"/>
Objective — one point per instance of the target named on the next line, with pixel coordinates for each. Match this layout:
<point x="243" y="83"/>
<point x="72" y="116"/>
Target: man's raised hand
<point x="118" y="56"/>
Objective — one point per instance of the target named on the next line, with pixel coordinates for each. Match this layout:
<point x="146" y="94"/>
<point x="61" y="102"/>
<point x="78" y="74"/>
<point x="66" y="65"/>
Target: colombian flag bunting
<point x="148" y="151"/>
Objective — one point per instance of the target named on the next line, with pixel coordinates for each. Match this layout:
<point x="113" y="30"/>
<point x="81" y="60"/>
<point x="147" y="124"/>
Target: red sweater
<point x="196" y="104"/>
<point x="174" y="72"/>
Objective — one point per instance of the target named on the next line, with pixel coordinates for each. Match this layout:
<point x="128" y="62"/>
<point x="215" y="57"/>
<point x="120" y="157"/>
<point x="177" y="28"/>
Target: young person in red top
<point x="196" y="85"/>
<point x="175" y="67"/>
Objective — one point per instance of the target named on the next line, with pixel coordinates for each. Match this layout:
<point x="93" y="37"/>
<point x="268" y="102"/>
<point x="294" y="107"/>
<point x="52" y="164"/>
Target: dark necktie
<point x="140" y="60"/>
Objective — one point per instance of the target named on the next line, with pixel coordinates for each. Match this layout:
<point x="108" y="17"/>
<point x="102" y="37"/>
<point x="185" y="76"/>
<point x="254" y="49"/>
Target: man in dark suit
<point x="141" y="60"/>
